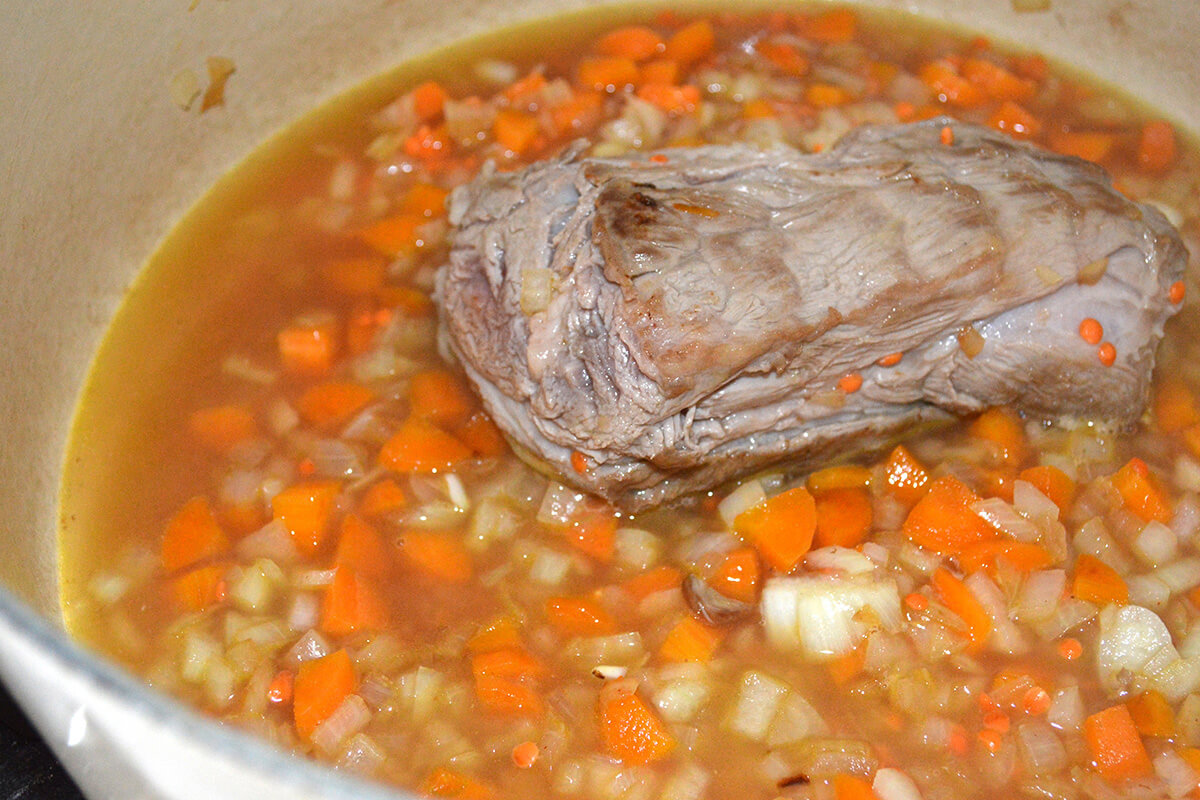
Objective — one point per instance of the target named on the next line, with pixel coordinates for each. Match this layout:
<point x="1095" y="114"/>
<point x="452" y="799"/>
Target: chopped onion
<point x="303" y="612"/>
<point x="1040" y="594"/>
<point x="637" y="548"/>
<point x="746" y="496"/>
<point x="826" y="616"/>
<point x="1180" y="576"/>
<point x="1004" y="518"/>
<point x="1156" y="544"/>
<point x="1006" y="637"/>
<point x="688" y="782"/>
<point x="272" y="541"/>
<point x="362" y="755"/>
<point x="346" y="720"/>
<point x="621" y="649"/>
<point x="1135" y="643"/>
<point x="313" y="578"/>
<point x="493" y="521"/>
<point x="549" y="567"/>
<point x="1066" y="710"/>
<point x="794" y="721"/>
<point x="892" y="784"/>
<point x="609" y="672"/>
<point x="1148" y="591"/>
<point x="1030" y="502"/>
<point x="1176" y="773"/>
<point x="494" y="71"/>
<point x="1187" y="720"/>
<point x="1041" y="749"/>
<point x="758" y="699"/>
<point x="199" y="652"/>
<point x="1095" y="540"/>
<point x="681" y="699"/>
<point x="335" y="458"/>
<point x="252" y="588"/>
<point x="559" y="504"/>
<point x="839" y="559"/>
<point x="311" y="645"/>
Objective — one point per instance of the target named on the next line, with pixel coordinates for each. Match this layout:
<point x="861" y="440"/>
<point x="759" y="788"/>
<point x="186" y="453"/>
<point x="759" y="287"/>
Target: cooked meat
<point x="687" y="317"/>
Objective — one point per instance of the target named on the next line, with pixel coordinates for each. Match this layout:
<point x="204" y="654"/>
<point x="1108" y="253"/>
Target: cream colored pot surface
<point x="97" y="162"/>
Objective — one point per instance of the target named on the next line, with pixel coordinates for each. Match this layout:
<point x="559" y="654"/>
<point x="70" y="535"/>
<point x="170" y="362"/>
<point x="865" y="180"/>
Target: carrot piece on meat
<point x="579" y="616"/>
<point x="1156" y="147"/>
<point x="1115" y="746"/>
<point x="308" y="348"/>
<point x="1152" y="714"/>
<point x="1052" y="482"/>
<point x="442" y="782"/>
<point x="781" y="529"/>
<point x="200" y="588"/>
<point x="851" y="787"/>
<point x="635" y="42"/>
<point x="221" y="428"/>
<point x="690" y="640"/>
<point x="631" y="731"/>
<point x="844" y="517"/>
<point x="193" y="535"/>
<point x="320" y="687"/>
<point x="352" y="603"/>
<point x="1141" y="492"/>
<point x="331" y="403"/>
<point x="962" y="602"/>
<point x="907" y="480"/>
<point x="942" y="520"/>
<point x="1097" y="582"/>
<point x="738" y="575"/>
<point x="691" y="43"/>
<point x="419" y="446"/>
<point x="1004" y="431"/>
<point x="305" y="510"/>
<point x="363" y="549"/>
<point x="437" y="555"/>
<point x="440" y="397"/>
<point x="383" y="498"/>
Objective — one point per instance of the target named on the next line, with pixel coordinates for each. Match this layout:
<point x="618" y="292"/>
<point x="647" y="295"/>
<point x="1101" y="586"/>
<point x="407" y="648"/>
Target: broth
<point x="478" y="610"/>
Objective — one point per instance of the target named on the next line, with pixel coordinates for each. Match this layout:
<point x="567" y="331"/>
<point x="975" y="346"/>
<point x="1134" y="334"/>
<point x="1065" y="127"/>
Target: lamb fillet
<point x="687" y="318"/>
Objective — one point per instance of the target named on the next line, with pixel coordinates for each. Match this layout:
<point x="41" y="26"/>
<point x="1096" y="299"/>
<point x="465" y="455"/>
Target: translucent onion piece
<point x="310" y="646"/>
<point x="1066" y="709"/>
<point x="748" y="495"/>
<point x="1135" y="650"/>
<point x="826" y="616"/>
<point x="839" y="559"/>
<point x="347" y="719"/>
<point x="1156" y="544"/>
<point x="892" y="784"/>
<point x="758" y="699"/>
<point x="1041" y="749"/>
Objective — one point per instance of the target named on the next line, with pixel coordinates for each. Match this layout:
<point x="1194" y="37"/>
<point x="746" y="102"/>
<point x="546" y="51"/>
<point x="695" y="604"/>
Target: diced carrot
<point x="395" y="235"/>
<point x="243" y="517"/>
<point x="1032" y="66"/>
<point x="840" y="477"/>
<point x="430" y="143"/>
<point x="852" y="787"/>
<point x="193" y="535"/>
<point x="630" y="730"/>
<point x="672" y="99"/>
<point x="634" y="42"/>
<point x="383" y="498"/>
<point x="1022" y="556"/>
<point x="787" y="58"/>
<point x="593" y="531"/>
<point x="579" y="114"/>
<point x="425" y="200"/>
<point x="1014" y="119"/>
<point x="1052" y="482"/>
<point x="1175" y="406"/>
<point x="507" y="697"/>
<point x="601" y="72"/>
<point x="321" y="686"/>
<point x="515" y="130"/>
<point x="907" y="480"/>
<point x="948" y="86"/>
<point x="1003" y="429"/>
<point x="738" y="575"/>
<point x="942" y="520"/>
<point x="331" y="403"/>
<point x="443" y="782"/>
<point x="355" y="276"/>
<point x="690" y="640"/>
<point x="362" y="548"/>
<point x="847" y="666"/>
<point x="1141" y="492"/>
<point x="691" y="43"/>
<point x="660" y="70"/>
<point x="826" y="95"/>
<point x="758" y="108"/>
<point x="419" y="446"/>
<point x="438" y="396"/>
<point x="428" y="100"/>
<point x="521" y="90"/>
<point x="481" y="435"/>
<point x="513" y="663"/>
<point x="962" y="603"/>
<point x="831" y="27"/>
<point x="997" y="82"/>
<point x="1115" y="746"/>
<point x="1156" y="148"/>
<point x="407" y="300"/>
<point x="781" y="529"/>
<point x="305" y="510"/>
<point x="352" y="603"/>
<point x="279" y="692"/>
<point x="200" y="588"/>
<point x="499" y="634"/>
<point x="1094" y="146"/>
<point x="437" y="554"/>
<point x="843" y="517"/>
<point x="1152" y="714"/>
<point x="1097" y="582"/>
<point x="309" y="348"/>
<point x="221" y="428"/>
<point x="579" y="616"/>
<point x="659" y="579"/>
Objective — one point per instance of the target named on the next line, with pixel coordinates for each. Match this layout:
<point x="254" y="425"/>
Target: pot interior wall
<point x="98" y="162"/>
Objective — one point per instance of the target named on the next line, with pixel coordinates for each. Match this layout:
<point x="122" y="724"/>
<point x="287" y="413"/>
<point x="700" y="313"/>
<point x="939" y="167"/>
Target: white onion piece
<point x="637" y="548"/>
<point x="1176" y="773"/>
<point x="825" y="616"/>
<point x="1186" y="521"/>
<point x="303" y="612"/>
<point x="1029" y="501"/>
<point x="689" y="782"/>
<point x="794" y="721"/>
<point x="892" y="784"/>
<point x="1156" y="544"/>
<point x="1186" y="475"/>
<point x="457" y="493"/>
<point x="758" y="699"/>
<point x="311" y="645"/>
<point x="1006" y="637"/>
<point x="844" y="560"/>
<point x="559" y="504"/>
<point x="1040" y="594"/>
<point x="746" y="496"/>
<point x="1187" y="719"/>
<point x="346" y="720"/>
<point x="1066" y="710"/>
<point x="1148" y="591"/>
<point x="1004" y="518"/>
<point x="1181" y="575"/>
<point x="362" y="755"/>
<point x="1041" y="749"/>
<point x="1134" y="643"/>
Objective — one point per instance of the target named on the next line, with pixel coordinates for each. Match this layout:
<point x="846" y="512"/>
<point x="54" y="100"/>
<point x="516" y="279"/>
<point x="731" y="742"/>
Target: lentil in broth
<point x="312" y="531"/>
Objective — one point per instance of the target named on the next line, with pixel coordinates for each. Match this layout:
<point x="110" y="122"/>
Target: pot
<point x="98" y="163"/>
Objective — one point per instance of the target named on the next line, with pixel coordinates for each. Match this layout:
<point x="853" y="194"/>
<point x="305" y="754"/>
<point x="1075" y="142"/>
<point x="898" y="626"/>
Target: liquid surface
<point x="285" y="508"/>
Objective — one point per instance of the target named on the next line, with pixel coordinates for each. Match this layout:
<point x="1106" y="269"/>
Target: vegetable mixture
<point x="363" y="572"/>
